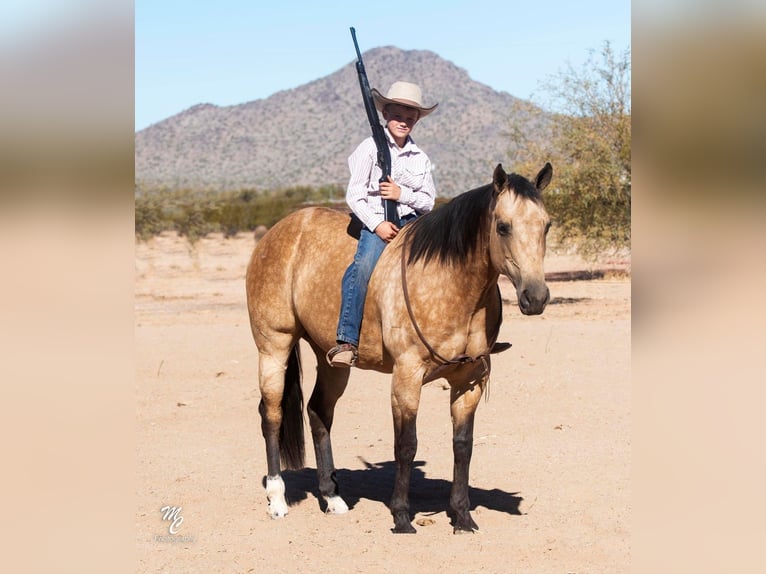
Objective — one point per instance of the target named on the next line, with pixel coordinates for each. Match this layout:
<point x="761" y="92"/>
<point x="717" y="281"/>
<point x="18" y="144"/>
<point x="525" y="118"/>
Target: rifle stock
<point x="378" y="135"/>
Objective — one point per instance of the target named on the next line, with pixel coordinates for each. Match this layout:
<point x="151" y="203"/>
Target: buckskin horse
<point x="433" y="310"/>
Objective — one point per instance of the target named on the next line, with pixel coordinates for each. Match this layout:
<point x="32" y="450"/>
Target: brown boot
<point x="342" y="355"/>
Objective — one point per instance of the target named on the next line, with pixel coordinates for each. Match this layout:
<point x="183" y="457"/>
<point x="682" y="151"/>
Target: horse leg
<point x="273" y="367"/>
<point x="464" y="398"/>
<point x="329" y="387"/>
<point x="405" y="398"/>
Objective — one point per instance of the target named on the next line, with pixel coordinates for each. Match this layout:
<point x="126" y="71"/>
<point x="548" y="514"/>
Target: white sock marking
<point x="336" y="505"/>
<point x="275" y="493"/>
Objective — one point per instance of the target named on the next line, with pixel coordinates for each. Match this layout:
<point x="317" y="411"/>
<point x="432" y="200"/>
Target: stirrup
<point x="342" y="355"/>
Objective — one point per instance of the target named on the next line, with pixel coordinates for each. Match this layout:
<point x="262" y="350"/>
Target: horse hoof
<point x="462" y="522"/>
<point x="336" y="505"/>
<point x="277" y="510"/>
<point x="465" y="526"/>
<point x="402" y="524"/>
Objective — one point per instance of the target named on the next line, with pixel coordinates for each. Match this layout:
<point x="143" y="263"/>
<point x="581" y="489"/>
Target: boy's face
<point x="400" y="120"/>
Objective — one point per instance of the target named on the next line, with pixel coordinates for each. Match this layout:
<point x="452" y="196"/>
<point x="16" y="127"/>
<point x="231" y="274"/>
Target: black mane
<point x="451" y="232"/>
<point x="454" y="231"/>
<point x="523" y="187"/>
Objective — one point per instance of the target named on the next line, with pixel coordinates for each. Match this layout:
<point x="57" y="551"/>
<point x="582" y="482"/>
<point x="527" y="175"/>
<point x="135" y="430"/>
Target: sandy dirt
<point x="550" y="474"/>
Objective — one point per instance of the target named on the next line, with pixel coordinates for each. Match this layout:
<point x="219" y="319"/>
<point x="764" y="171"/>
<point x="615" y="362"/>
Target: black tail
<point x="292" y="446"/>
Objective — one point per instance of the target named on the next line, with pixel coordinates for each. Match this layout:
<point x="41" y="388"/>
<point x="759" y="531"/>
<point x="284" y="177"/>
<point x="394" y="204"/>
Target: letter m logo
<point x="173" y="515"/>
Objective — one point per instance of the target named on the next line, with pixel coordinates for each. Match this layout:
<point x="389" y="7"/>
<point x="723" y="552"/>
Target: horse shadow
<point x="376" y="481"/>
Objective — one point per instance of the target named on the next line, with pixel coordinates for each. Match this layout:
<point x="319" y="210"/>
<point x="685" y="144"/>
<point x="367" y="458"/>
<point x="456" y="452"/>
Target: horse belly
<point x="382" y="313"/>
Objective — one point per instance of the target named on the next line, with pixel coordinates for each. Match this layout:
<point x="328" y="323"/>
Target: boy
<point x="410" y="185"/>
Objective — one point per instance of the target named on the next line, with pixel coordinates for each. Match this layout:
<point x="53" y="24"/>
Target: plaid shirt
<point x="410" y="169"/>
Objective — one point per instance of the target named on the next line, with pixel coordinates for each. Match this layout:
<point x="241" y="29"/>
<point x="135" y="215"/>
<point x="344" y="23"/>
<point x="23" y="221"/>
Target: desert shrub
<point x="195" y="213"/>
<point x="149" y="217"/>
<point x="193" y="220"/>
<point x="590" y="149"/>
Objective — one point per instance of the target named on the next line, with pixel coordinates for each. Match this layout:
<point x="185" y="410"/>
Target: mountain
<point x="304" y="136"/>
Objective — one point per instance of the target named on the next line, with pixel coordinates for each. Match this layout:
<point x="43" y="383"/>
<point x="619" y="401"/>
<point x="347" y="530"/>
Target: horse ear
<point x="544" y="177"/>
<point x="499" y="177"/>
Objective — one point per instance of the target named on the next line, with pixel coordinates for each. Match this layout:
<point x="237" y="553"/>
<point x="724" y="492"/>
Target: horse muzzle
<point x="533" y="298"/>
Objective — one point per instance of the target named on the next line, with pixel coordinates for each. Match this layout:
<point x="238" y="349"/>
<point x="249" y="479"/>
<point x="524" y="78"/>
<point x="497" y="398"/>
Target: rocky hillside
<point x="303" y="136"/>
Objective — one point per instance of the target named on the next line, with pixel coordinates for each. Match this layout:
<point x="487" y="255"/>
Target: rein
<point x="442" y="361"/>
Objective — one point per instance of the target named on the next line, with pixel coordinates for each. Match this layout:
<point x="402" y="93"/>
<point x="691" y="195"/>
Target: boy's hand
<point x="389" y="190"/>
<point x="386" y="231"/>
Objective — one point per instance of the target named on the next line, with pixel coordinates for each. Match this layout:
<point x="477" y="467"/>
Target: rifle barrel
<point x="384" y="158"/>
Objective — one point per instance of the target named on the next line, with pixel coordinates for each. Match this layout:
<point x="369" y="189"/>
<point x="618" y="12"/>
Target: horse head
<point x="517" y="235"/>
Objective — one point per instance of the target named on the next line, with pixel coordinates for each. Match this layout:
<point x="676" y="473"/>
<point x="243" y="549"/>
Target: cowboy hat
<point x="402" y="93"/>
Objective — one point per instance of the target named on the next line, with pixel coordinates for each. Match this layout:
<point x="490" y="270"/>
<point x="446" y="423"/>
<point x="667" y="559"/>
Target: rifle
<point x="381" y="142"/>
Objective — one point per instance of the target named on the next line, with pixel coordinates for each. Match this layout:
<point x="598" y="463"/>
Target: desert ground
<point x="551" y="467"/>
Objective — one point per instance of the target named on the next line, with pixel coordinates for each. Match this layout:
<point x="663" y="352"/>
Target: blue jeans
<point x="355" y="281"/>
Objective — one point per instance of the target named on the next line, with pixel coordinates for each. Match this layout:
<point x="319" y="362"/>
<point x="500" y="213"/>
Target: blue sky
<point x="233" y="51"/>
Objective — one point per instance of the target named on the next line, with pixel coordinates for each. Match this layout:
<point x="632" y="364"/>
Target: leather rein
<point x="442" y="361"/>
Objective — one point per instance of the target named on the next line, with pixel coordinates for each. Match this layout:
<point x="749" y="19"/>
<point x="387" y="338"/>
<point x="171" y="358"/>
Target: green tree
<point x="589" y="145"/>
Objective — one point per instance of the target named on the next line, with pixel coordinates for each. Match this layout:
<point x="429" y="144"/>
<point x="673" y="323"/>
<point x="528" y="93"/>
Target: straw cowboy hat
<point x="403" y="93"/>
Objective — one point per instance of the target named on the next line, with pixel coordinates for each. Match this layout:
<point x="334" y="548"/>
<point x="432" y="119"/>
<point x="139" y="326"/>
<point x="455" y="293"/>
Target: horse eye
<point x="547" y="227"/>
<point x="503" y="228"/>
